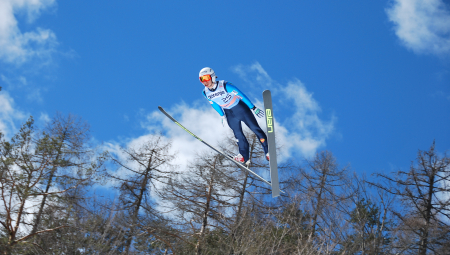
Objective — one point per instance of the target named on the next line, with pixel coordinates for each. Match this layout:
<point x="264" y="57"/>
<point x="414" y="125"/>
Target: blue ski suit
<point x="228" y="100"/>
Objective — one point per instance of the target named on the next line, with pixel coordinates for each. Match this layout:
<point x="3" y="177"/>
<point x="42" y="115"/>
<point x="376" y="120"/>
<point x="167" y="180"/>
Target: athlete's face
<point x="208" y="84"/>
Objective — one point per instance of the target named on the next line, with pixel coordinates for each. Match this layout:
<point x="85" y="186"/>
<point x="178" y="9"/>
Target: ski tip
<point x="266" y="91"/>
<point x="162" y="110"/>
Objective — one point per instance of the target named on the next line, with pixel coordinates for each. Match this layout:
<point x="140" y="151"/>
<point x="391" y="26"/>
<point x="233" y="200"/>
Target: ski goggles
<point x="205" y="77"/>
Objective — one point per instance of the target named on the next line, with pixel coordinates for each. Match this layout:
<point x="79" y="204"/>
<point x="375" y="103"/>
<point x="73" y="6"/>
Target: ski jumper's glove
<point x="224" y="119"/>
<point x="258" y="112"/>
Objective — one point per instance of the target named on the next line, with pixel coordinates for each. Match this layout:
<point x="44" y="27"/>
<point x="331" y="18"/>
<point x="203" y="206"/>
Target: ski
<point x="267" y="97"/>
<point x="241" y="166"/>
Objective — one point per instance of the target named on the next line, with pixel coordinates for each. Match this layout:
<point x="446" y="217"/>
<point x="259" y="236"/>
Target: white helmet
<point x="209" y="71"/>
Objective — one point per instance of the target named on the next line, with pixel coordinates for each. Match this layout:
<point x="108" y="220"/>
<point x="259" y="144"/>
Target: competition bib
<point x="220" y="96"/>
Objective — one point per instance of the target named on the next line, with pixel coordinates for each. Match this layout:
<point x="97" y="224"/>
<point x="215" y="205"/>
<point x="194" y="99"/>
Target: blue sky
<point x="367" y="80"/>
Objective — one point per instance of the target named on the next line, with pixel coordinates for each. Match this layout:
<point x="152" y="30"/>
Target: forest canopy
<point x="48" y="203"/>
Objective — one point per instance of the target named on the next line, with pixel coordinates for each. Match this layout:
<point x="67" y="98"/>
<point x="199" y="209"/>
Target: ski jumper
<point x="228" y="100"/>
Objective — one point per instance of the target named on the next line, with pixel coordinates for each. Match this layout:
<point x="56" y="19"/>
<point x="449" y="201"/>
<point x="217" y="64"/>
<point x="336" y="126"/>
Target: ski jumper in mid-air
<point x="233" y="106"/>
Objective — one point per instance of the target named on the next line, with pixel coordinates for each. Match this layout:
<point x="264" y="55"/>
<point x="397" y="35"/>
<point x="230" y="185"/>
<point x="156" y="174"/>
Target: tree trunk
<point x="44" y="198"/>
<point x="138" y="206"/>
<point x="318" y="205"/>
<point x="205" y="214"/>
<point x="424" y="238"/>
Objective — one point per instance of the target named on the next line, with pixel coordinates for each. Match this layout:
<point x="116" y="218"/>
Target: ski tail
<point x="210" y="146"/>
<point x="267" y="96"/>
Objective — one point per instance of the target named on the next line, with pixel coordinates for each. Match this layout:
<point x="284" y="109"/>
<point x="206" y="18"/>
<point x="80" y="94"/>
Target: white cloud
<point x="9" y="116"/>
<point x="302" y="130"/>
<point x="33" y="93"/>
<point x="307" y="131"/>
<point x="16" y="46"/>
<point x="44" y="118"/>
<point x="422" y="25"/>
<point x="201" y="120"/>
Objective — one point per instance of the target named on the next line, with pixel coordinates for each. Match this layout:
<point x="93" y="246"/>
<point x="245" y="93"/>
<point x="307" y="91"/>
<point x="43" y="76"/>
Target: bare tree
<point x="366" y="219"/>
<point x="67" y="136"/>
<point x="94" y="229"/>
<point x="202" y="199"/>
<point x="322" y="186"/>
<point x="25" y="163"/>
<point x="425" y="205"/>
<point x="142" y="171"/>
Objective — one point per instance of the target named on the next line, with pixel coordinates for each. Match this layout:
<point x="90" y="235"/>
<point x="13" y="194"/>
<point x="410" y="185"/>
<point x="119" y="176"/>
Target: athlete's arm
<point x="230" y="88"/>
<point x="214" y="105"/>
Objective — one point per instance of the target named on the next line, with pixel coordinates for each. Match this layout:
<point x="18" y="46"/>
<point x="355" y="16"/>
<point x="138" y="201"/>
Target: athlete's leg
<point x="249" y="119"/>
<point x="235" y="124"/>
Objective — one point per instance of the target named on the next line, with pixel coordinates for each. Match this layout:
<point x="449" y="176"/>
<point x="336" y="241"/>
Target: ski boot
<point x="239" y="158"/>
